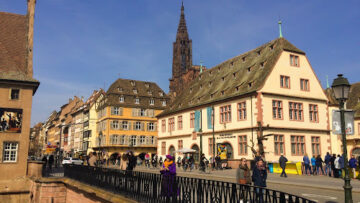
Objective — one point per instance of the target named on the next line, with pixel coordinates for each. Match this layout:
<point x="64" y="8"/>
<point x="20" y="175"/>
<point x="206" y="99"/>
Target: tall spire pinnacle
<point x="280" y="33"/>
<point x="182" y="24"/>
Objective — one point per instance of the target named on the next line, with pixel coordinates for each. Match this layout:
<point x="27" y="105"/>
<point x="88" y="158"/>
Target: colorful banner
<point x="349" y="122"/>
<point x="197" y="121"/>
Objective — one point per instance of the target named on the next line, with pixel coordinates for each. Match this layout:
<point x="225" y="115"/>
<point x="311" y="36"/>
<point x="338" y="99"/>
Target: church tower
<point x="182" y="56"/>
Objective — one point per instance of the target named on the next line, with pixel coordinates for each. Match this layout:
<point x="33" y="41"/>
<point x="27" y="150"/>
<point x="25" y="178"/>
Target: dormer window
<point x="219" y="69"/>
<point x="147" y="85"/>
<point x="250" y="84"/>
<point x="200" y="76"/>
<point x="237" y="88"/>
<point x="120" y="89"/>
<point x="149" y="92"/>
<point x="232" y="64"/>
<point x="135" y="91"/>
<point x="222" y="93"/>
<point x="200" y="86"/>
<point x="210" y="72"/>
<point x="223" y="79"/>
<point x="163" y="102"/>
<point x="152" y="101"/>
<point x="210" y="83"/>
<point x="190" y="89"/>
<point x="262" y="64"/>
<point x="137" y="101"/>
<point x="249" y="69"/>
<point x="271" y="47"/>
<point x="122" y="99"/>
<point x="161" y="94"/>
<point x="234" y="75"/>
<point x="211" y="96"/>
<point x="199" y="99"/>
<point x="132" y="83"/>
<point x="258" y="52"/>
<point x="243" y="59"/>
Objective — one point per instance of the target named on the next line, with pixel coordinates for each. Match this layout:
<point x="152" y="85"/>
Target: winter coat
<point x="313" y="161"/>
<point x="337" y="164"/>
<point x="352" y="163"/>
<point x="243" y="175"/>
<point x="259" y="177"/>
<point x="306" y="160"/>
<point x="318" y="161"/>
<point x="282" y="161"/>
<point x="327" y="159"/>
<point x="341" y="162"/>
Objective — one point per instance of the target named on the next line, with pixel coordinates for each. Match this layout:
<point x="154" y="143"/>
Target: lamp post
<point x="341" y="89"/>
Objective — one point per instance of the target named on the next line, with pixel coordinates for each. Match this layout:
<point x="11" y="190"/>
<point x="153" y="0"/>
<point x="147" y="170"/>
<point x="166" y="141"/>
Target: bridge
<point x="147" y="187"/>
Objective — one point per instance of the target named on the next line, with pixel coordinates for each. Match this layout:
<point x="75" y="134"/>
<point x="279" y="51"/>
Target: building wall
<point x="92" y="127"/>
<point x="18" y="169"/>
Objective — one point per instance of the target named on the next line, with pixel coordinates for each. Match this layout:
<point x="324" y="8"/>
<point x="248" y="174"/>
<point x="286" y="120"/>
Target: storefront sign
<point x="225" y="136"/>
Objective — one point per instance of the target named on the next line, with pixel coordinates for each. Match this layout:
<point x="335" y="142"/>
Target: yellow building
<point x="126" y="117"/>
<point x="274" y="85"/>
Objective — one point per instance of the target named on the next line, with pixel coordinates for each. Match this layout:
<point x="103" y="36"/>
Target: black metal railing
<point x="150" y="187"/>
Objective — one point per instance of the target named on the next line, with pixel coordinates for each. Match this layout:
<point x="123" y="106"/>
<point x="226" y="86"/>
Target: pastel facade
<point x="273" y="84"/>
<point x="126" y="117"/>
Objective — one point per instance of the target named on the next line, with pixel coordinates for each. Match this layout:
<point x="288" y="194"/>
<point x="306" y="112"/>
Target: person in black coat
<point x="51" y="162"/>
<point x="259" y="177"/>
<point x="332" y="164"/>
<point x="318" y="164"/>
<point x="132" y="162"/>
<point x="282" y="162"/>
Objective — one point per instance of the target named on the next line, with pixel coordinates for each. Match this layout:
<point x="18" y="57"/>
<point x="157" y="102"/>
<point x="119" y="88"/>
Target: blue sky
<point x="82" y="45"/>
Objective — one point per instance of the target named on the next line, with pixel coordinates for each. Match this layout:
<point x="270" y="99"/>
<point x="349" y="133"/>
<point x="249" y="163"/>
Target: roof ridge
<point x="15" y="14"/>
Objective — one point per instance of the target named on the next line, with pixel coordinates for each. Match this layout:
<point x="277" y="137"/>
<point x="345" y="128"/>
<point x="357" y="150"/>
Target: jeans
<point x="328" y="169"/>
<point x="313" y="169"/>
<point x="283" y="173"/>
<point x="318" y="171"/>
<point x="307" y="167"/>
<point x="354" y="172"/>
<point x="259" y="194"/>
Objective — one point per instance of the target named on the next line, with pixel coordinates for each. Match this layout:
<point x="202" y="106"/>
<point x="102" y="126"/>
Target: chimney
<point x="30" y="35"/>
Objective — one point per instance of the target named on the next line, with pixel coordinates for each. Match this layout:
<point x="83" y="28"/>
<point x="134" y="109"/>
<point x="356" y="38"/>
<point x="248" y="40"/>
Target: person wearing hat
<point x="168" y="171"/>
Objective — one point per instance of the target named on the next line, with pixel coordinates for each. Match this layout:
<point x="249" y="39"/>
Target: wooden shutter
<point x="133" y="112"/>
<point x="134" y="125"/>
<point x="120" y="111"/>
<point x="155" y="126"/>
<point x="137" y="141"/>
<point x="112" y="110"/>
<point x="120" y="125"/>
<point x="147" y="140"/>
<point x="111" y="125"/>
<point x="142" y="126"/>
<point x="129" y="125"/>
<point x="126" y="139"/>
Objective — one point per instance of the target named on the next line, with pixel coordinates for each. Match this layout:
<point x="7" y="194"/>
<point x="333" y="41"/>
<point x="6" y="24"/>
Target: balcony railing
<point x="149" y="187"/>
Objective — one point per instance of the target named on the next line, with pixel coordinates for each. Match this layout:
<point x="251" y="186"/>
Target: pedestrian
<point x="160" y="162"/>
<point x="307" y="164"/>
<point x="50" y="161"/>
<point x="44" y="160"/>
<point x="342" y="165"/>
<point x="147" y="160"/>
<point x="123" y="162"/>
<point x="92" y="159"/>
<point x="327" y="164"/>
<point x="259" y="177"/>
<point x="337" y="167"/>
<point x="131" y="161"/>
<point x="352" y="165"/>
<point x="318" y="163"/>
<point x="257" y="157"/>
<point x="191" y="162"/>
<point x="218" y="162"/>
<point x="332" y="163"/>
<point x="282" y="162"/>
<point x="179" y="162"/>
<point x="154" y="161"/>
<point x="313" y="164"/>
<point x="243" y="173"/>
<point x="168" y="172"/>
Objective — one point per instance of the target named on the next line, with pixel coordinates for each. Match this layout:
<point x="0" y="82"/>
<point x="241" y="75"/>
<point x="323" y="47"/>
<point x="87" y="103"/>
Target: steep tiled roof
<point x="13" y="47"/>
<point x="131" y="89"/>
<point x="240" y="75"/>
<point x="354" y="98"/>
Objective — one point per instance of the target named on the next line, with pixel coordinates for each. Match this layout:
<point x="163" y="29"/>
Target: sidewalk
<point x="321" y="182"/>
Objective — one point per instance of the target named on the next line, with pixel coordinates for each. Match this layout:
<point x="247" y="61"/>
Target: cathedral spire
<point x="182" y="29"/>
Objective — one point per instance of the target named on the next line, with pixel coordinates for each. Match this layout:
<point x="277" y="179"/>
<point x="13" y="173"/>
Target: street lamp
<point x="341" y="89"/>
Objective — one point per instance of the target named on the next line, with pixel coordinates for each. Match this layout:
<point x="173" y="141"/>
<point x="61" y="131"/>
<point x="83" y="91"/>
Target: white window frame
<point x="137" y="101"/>
<point x="152" y="101"/>
<point x="151" y="126"/>
<point x="115" y="124"/>
<point x="142" y="140"/>
<point x="137" y="125"/>
<point x="126" y="124"/>
<point x="10" y="148"/>
<point x="122" y="99"/>
<point x="133" y="140"/>
<point x="164" y="102"/>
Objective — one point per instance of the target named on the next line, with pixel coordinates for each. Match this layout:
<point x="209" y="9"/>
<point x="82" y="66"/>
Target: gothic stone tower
<point x="182" y="58"/>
